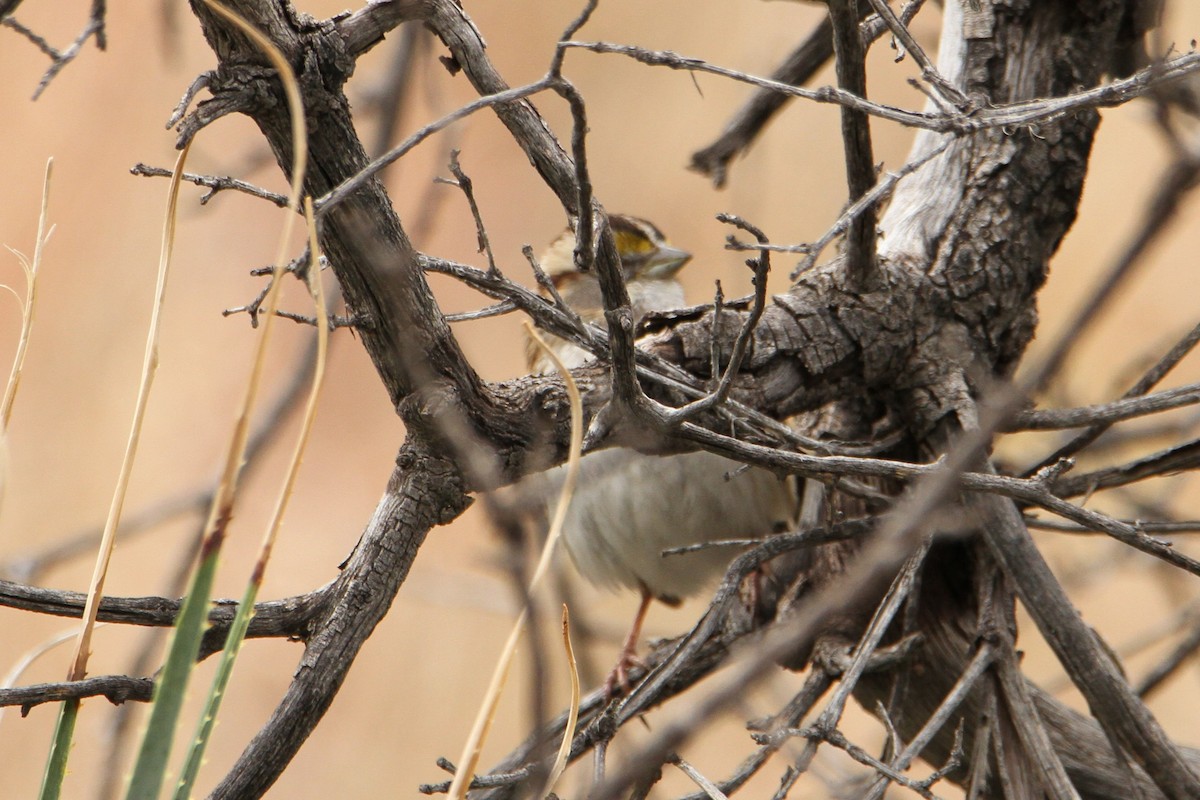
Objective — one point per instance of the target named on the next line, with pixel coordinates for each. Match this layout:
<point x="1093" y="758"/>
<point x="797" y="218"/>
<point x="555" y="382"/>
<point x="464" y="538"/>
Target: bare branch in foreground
<point x="117" y="689"/>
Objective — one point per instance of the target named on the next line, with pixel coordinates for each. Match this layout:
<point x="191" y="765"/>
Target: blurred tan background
<point x="412" y="694"/>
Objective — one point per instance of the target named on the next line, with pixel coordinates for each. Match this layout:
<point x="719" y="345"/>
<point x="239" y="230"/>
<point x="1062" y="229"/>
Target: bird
<point x="628" y="507"/>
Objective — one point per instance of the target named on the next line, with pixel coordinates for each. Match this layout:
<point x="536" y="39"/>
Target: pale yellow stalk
<point x="469" y="760"/>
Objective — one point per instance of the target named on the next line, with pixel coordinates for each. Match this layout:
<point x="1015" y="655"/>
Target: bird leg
<point x="618" y="679"/>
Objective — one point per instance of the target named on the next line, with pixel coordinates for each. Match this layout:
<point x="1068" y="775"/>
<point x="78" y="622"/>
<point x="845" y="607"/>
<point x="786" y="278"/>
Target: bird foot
<point x="618" y="680"/>
<point x="617" y="684"/>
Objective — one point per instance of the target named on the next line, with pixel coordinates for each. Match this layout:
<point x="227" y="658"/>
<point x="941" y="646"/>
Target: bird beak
<point x="665" y="262"/>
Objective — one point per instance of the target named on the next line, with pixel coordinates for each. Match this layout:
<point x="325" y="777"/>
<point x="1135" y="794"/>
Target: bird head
<point x="644" y="250"/>
<point x="648" y="262"/>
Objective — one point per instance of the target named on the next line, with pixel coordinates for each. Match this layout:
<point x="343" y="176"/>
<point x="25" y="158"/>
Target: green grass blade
<point x="171" y="687"/>
<point x="60" y="749"/>
<point x="233" y="645"/>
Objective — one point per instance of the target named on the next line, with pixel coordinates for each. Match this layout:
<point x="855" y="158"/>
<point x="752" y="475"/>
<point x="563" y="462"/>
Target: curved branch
<point x="424" y="491"/>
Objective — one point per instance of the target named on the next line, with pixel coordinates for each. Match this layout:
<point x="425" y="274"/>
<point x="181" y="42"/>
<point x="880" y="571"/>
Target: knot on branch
<point x="441" y="478"/>
<point x="235" y="88"/>
<point x="242" y="83"/>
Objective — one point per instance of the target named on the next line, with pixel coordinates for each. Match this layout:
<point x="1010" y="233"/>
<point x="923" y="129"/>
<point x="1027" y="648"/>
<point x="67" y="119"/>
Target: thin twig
<point x="296" y="267"/>
<point x="815" y="685"/>
<point x="831" y="715"/>
<point x="1146" y="526"/>
<point x="492" y="781"/>
<point x="1020" y="114"/>
<point x="1178" y="458"/>
<point x="979" y="664"/>
<point x="495" y="310"/>
<point x="1027" y="490"/>
<point x="711" y="790"/>
<point x="714" y="349"/>
<point x="838" y="739"/>
<point x="947" y="91"/>
<point x="760" y="266"/>
<point x="752" y="118"/>
<point x="60" y="58"/>
<point x="880" y="192"/>
<point x="1144" y="384"/>
<point x="1101" y="415"/>
<point x="462" y="181"/>
<point x="355" y="182"/>
<point x="214" y="184"/>
<point x="333" y="321"/>
<point x="1176" y="659"/>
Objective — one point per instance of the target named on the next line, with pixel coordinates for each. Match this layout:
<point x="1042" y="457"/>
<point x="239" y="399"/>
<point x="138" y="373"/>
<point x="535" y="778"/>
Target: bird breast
<point x="630" y="507"/>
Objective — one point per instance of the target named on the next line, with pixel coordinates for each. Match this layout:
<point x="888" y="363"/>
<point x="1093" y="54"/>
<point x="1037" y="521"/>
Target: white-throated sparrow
<point x="629" y="507"/>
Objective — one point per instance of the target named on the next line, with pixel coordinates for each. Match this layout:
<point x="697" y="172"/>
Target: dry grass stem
<point x="487" y="709"/>
<point x="149" y="366"/>
<point x="31" y="272"/>
<point x="564" y="748"/>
